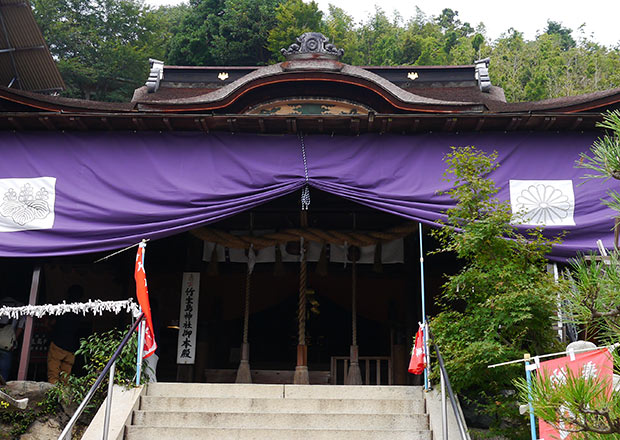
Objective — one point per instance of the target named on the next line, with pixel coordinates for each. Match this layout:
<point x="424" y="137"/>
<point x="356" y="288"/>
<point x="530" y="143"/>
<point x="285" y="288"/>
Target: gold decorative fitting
<point x="412" y="75"/>
<point x="223" y="76"/>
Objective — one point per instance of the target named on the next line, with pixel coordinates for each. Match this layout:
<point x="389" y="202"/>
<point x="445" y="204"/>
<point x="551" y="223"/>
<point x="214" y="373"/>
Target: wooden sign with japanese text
<point x="188" y="318"/>
<point x="596" y="364"/>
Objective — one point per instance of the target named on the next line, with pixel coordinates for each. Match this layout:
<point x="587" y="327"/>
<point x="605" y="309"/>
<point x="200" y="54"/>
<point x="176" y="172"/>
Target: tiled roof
<point x="25" y="60"/>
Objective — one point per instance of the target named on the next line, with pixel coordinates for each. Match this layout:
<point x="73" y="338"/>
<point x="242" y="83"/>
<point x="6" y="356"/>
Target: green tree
<point x="380" y="40"/>
<point x="189" y="46"/>
<point x="564" y="33"/>
<point x="501" y="303"/>
<point x="102" y="46"/>
<point x="224" y="32"/>
<point x="293" y="18"/>
<point x="340" y="29"/>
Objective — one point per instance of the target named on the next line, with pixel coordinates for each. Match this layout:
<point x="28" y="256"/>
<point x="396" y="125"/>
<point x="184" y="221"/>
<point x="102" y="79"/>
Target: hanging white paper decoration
<point x="96" y="307"/>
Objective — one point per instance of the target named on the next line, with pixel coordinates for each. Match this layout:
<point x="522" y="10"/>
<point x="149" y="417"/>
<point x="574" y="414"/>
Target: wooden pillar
<point x="244" y="374"/>
<point x="354" y="376"/>
<point x="24" y="358"/>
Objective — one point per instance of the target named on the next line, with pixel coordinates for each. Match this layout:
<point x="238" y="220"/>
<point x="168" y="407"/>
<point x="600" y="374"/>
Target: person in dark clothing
<point x="65" y="340"/>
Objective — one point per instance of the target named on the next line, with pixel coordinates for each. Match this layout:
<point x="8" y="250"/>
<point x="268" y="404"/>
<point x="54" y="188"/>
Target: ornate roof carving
<point x="312" y="45"/>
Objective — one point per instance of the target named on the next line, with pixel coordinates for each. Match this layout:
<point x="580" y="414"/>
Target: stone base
<point x="243" y="372"/>
<point x="301" y="375"/>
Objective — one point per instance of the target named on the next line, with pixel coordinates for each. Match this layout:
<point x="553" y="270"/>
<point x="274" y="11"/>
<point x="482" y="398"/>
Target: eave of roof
<point x="51" y="103"/>
<point x="26" y="61"/>
<point x="567" y="104"/>
<point x="291" y="124"/>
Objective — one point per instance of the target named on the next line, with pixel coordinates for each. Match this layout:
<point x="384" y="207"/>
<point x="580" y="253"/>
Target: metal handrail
<point x="66" y="433"/>
<point x="445" y="383"/>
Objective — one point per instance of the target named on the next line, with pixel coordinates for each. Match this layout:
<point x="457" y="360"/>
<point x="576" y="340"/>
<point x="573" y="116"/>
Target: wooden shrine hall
<point x="288" y="207"/>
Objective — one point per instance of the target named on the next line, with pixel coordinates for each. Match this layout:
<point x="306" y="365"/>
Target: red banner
<point x="596" y="364"/>
<point x="418" y="361"/>
<point x="142" y="293"/>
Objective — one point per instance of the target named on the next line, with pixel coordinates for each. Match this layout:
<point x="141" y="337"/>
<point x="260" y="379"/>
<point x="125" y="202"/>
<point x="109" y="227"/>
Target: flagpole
<point x="559" y="353"/>
<point x="426" y="378"/>
<point x="528" y="377"/>
<point x="141" y="330"/>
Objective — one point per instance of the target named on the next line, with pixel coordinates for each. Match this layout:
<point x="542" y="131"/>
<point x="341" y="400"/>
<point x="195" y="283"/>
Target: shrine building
<point x="287" y="207"/>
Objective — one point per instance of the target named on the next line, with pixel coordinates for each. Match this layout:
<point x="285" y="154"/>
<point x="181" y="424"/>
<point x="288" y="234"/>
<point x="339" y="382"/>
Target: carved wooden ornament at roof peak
<point x="312" y="45"/>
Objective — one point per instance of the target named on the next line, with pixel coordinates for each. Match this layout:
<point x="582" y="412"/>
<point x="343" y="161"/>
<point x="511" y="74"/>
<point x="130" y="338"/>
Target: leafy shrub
<point x="97" y="349"/>
<point x="501" y="303"/>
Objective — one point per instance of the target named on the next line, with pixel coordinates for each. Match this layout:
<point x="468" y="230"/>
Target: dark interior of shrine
<point x="388" y="296"/>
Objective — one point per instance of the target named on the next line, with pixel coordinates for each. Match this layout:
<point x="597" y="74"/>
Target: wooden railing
<point x="376" y="370"/>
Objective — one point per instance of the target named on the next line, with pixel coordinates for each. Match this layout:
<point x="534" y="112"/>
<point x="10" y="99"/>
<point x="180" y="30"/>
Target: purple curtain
<point x="67" y="193"/>
<point x="402" y="175"/>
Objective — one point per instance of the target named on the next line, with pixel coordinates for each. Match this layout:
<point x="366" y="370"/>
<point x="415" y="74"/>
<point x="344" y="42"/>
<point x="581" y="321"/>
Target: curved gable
<point x="306" y="79"/>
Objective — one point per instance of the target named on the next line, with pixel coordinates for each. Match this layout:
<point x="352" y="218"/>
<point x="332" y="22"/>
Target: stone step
<point x="284" y="391"/>
<point x="325" y="406"/>
<point x="215" y="390"/>
<point x="364" y="392"/>
<point x="144" y="433"/>
<point x="371" y="422"/>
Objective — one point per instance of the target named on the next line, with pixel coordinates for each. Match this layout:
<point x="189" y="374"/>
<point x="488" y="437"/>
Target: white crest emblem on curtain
<point x="542" y="202"/>
<point x="27" y="203"/>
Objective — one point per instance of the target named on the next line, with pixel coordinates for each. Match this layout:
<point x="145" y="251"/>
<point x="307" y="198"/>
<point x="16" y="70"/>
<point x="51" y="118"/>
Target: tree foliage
<point x="102" y="46"/>
<point x="584" y="405"/>
<point x="224" y="32"/>
<point x="293" y="18"/>
<point x="591" y="299"/>
<point x="501" y="303"/>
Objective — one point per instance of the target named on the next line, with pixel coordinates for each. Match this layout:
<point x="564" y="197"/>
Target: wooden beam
<point x="45" y="120"/>
<point x="355" y="125"/>
<point x="139" y="123"/>
<point x="106" y="123"/>
<point x="514" y="124"/>
<point x="291" y="124"/>
<point x="549" y="122"/>
<point x="24" y="358"/>
<point x="168" y="124"/>
<point x="15" y="123"/>
<point x="78" y="122"/>
<point x="384" y="125"/>
<point x="576" y="123"/>
<point x="449" y="124"/>
<point x="479" y="124"/>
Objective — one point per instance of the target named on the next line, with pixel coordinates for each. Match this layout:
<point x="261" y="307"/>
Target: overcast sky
<point x="601" y="17"/>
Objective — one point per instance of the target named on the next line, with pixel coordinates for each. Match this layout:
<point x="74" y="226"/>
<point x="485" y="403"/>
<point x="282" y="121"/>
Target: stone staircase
<point x="182" y="411"/>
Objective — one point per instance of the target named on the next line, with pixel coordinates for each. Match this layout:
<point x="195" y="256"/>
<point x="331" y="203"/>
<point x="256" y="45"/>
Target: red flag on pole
<point x="418" y="358"/>
<point x="142" y="293"/>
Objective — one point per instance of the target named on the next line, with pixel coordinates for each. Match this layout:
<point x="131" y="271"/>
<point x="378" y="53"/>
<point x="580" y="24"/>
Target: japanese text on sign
<point x="188" y="317"/>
